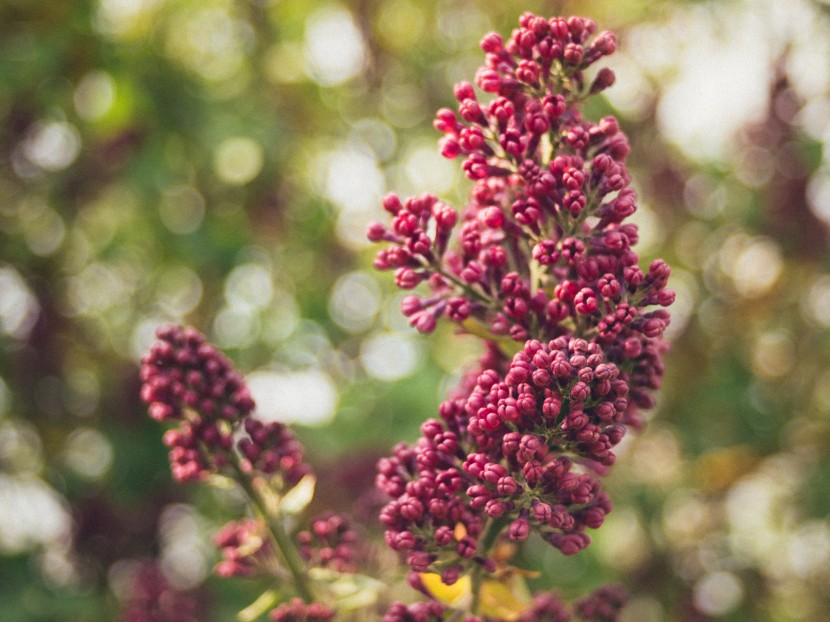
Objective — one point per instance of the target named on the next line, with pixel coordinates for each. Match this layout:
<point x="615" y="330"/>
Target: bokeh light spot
<point x="125" y="18"/>
<point x="378" y="135"/>
<point x="52" y="145"/>
<point x="717" y="593"/>
<point x="354" y="301"/>
<point x="773" y="355"/>
<point x="249" y="286"/>
<point x="94" y="95"/>
<point x="622" y="543"/>
<point x="88" y="452"/>
<point x="235" y="327"/>
<point x="753" y="263"/>
<point x="18" y="306"/>
<point x="179" y="291"/>
<point x="43" y="228"/>
<point x="21" y="449"/>
<point x="283" y="63"/>
<point x="816" y="301"/>
<point x="182" y="209"/>
<point x="238" y="160"/>
<point x="390" y="356"/>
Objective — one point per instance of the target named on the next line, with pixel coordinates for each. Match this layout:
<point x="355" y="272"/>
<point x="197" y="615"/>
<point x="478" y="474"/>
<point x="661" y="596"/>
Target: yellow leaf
<point x="458" y="595"/>
<point x="503" y="600"/>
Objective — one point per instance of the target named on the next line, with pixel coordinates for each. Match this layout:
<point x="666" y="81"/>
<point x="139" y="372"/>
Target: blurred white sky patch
<point x="33" y="514"/>
<point x="686" y="289"/>
<point x="186" y="551"/>
<point x="714" y="65"/>
<point x="815" y="303"/>
<point x="427" y="168"/>
<point x="334" y="47"/>
<point x="391" y="356"/>
<point x="18" y="306"/>
<point x="249" y="291"/>
<point x="354" y="301"/>
<point x="308" y="397"/>
<point x="353" y="182"/>
<point x="818" y="193"/>
<point x="808" y="549"/>
<point x="721" y="76"/>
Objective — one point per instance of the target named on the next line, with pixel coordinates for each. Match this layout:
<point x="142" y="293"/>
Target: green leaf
<point x="349" y="591"/>
<point x="265" y="601"/>
<point x="298" y="498"/>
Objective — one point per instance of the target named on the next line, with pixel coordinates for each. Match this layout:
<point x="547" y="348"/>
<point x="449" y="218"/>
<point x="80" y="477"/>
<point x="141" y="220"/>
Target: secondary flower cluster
<point x="603" y="605"/>
<point x="187" y="380"/>
<point x="245" y="548"/>
<point x="540" y="264"/>
<point x="150" y="597"/>
<point x="329" y="543"/>
<point x="298" y="611"/>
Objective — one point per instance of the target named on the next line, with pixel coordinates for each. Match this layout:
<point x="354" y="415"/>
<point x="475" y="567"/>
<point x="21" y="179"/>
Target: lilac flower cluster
<point x="271" y="448"/>
<point x="298" y="611"/>
<point x="542" y="247"/>
<point x="604" y="604"/>
<point x="187" y="380"/>
<point x="429" y="611"/>
<point x="329" y="543"/>
<point x="541" y="258"/>
<point x="546" y="607"/>
<point x="151" y="598"/>
<point x="246" y="549"/>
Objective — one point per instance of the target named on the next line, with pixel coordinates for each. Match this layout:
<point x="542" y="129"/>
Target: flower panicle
<point x="541" y="255"/>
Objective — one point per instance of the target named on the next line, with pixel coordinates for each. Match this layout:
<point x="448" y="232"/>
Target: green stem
<point x="281" y="538"/>
<point x="491" y="533"/>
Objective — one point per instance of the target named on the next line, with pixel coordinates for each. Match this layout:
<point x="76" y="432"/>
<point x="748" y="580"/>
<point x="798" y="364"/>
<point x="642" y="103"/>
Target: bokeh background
<point x="216" y="162"/>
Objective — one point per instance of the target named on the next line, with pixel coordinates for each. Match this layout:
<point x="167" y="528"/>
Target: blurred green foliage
<point x="216" y="162"/>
